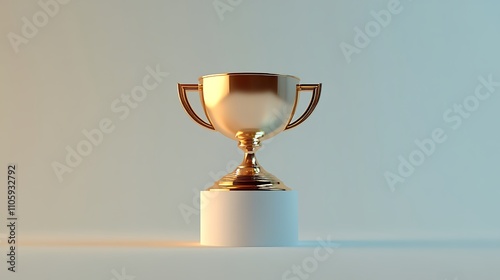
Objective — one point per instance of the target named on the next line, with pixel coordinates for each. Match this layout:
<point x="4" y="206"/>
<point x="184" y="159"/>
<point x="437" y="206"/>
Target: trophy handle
<point x="316" y="92"/>
<point x="185" y="103"/>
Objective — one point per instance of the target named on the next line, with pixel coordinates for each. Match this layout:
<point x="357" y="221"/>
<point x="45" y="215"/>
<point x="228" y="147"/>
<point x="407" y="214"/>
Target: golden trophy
<point x="249" y="108"/>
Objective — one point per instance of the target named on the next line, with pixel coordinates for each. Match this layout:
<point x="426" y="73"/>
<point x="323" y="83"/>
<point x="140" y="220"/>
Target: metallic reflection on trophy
<point x="249" y="108"/>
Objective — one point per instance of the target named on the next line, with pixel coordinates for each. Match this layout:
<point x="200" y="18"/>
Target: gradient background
<point x="373" y="108"/>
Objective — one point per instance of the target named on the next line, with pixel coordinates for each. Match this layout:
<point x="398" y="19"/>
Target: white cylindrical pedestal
<point x="249" y="218"/>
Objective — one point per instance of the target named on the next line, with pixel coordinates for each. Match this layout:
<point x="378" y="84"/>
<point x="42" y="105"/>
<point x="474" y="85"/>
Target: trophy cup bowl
<point x="249" y="108"/>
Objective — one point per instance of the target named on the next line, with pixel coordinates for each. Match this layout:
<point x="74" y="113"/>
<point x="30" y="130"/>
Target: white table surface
<point x="349" y="260"/>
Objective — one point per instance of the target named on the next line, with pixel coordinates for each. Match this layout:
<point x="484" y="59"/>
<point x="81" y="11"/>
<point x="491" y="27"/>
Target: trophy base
<point x="263" y="181"/>
<point x="249" y="218"/>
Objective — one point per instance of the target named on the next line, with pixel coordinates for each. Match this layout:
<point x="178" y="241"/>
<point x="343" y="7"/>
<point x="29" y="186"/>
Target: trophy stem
<point x="249" y="175"/>
<point x="250" y="160"/>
